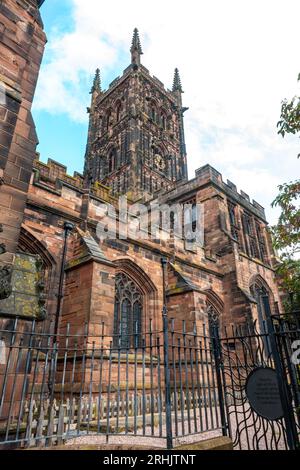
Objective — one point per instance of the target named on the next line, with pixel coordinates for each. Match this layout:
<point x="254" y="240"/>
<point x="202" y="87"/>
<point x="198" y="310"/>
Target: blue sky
<point x="235" y="63"/>
<point x="60" y="137"/>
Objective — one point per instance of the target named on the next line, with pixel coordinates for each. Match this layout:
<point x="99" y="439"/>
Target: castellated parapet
<point x="53" y="174"/>
<point x="207" y="172"/>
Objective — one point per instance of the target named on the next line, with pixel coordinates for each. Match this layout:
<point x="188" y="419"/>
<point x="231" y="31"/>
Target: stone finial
<point x="97" y="82"/>
<point x="136" y="48"/>
<point x="177" y="82"/>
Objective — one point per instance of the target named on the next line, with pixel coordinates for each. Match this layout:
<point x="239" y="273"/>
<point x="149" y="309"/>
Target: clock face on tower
<point x="159" y="162"/>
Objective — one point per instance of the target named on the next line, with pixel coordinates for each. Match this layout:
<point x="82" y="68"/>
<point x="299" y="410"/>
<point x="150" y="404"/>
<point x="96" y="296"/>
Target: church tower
<point x="136" y="143"/>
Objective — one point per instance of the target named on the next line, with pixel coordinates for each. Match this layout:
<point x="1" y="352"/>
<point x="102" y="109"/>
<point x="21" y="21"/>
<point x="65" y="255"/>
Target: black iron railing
<point x="245" y="349"/>
<point x="54" y="388"/>
<point x="185" y="382"/>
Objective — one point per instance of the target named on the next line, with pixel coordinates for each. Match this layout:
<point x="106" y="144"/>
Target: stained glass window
<point x="128" y="313"/>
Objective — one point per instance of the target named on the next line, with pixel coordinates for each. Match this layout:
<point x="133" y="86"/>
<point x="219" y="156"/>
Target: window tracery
<point x="128" y="313"/>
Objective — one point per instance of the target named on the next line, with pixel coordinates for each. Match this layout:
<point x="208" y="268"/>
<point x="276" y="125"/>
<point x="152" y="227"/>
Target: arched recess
<point x="108" y="119"/>
<point x="159" y="160"/>
<point x="118" y="110"/>
<point x="214" y="308"/>
<point x="111" y="148"/>
<point x="28" y="243"/>
<point x="163" y="118"/>
<point x="258" y="288"/>
<point x="154" y="108"/>
<point x="112" y="160"/>
<point x="143" y="291"/>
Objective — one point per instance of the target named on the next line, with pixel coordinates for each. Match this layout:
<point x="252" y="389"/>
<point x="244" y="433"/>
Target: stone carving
<point x="5" y="282"/>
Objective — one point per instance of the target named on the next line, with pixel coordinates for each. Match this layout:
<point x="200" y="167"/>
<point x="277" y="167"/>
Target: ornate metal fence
<point x="261" y="383"/>
<point x="56" y="388"/>
<point x="166" y="387"/>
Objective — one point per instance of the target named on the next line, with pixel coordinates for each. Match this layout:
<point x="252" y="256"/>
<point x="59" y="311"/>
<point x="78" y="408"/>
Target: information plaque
<point x="263" y="393"/>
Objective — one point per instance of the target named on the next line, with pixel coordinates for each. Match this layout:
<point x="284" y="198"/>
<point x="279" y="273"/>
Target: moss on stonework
<point x="25" y="298"/>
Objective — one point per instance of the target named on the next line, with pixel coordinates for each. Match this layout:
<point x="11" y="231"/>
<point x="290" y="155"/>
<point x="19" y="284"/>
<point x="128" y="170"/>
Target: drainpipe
<point x="68" y="228"/>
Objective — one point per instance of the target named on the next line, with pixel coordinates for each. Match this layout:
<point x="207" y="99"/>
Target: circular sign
<point x="263" y="393"/>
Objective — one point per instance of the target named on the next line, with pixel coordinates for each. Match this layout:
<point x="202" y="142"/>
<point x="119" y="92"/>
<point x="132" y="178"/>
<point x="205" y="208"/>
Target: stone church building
<point x="55" y="269"/>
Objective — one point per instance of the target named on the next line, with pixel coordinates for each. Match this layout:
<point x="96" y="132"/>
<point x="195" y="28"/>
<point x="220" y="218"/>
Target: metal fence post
<point x="291" y="430"/>
<point x="217" y="350"/>
<point x="166" y="360"/>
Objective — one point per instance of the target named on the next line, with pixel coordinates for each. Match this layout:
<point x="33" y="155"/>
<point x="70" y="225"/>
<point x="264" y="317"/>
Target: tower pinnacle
<point x="97" y="82"/>
<point x="177" y="82"/>
<point x="136" y="48"/>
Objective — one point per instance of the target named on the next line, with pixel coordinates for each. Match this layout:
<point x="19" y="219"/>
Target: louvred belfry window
<point x="108" y="119"/>
<point x="191" y="220"/>
<point x="234" y="225"/>
<point x="128" y="313"/>
<point x="112" y="161"/>
<point x="261" y="242"/>
<point x="249" y="235"/>
<point x="119" y="110"/>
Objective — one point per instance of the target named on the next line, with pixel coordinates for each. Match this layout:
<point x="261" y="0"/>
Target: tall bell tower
<point x="136" y="142"/>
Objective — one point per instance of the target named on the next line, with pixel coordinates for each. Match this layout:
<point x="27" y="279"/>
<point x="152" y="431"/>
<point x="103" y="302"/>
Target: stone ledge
<point x="216" y="443"/>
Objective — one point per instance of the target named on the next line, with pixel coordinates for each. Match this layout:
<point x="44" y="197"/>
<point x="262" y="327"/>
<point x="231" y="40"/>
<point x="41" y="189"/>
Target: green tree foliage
<point x="290" y="116"/>
<point x="286" y="234"/>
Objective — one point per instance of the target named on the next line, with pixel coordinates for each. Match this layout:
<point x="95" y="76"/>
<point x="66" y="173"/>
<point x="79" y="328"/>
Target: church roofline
<point x="206" y="175"/>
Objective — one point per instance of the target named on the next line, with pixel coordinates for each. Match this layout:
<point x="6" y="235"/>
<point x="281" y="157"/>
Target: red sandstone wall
<point x="22" y="42"/>
<point x="219" y="267"/>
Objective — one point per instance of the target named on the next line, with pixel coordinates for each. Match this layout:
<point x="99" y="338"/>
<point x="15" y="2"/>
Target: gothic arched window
<point x="258" y="291"/>
<point x="119" y="110"/>
<point x="128" y="313"/>
<point x="154" y="113"/>
<point x="213" y="318"/>
<point x="108" y="119"/>
<point x="112" y="161"/>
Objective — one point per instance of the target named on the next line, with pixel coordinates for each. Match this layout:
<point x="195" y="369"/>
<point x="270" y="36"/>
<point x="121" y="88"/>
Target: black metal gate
<point x="270" y="351"/>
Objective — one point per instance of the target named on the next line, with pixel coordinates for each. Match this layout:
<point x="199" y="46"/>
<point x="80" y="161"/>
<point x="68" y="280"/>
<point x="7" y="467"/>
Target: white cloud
<point x="237" y="60"/>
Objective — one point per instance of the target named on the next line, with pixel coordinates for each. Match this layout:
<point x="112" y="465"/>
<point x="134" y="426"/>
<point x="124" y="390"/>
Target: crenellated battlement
<point x="51" y="176"/>
<point x="211" y="174"/>
<point x="52" y="171"/>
